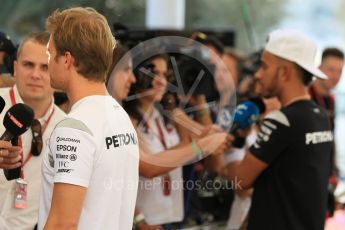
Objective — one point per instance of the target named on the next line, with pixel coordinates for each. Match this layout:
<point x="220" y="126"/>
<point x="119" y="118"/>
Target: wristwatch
<point x="138" y="219"/>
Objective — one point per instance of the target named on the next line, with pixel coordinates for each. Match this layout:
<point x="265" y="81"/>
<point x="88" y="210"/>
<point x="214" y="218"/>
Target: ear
<point x="69" y="60"/>
<point x="285" y="72"/>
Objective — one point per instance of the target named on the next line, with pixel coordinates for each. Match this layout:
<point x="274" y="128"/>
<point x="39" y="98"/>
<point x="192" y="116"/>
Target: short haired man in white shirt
<point x="32" y="88"/>
<point x="90" y="175"/>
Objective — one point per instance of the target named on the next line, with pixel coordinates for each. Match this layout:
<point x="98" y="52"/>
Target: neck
<point x="320" y="88"/>
<point x="291" y="96"/>
<point x="81" y="87"/>
<point x="39" y="107"/>
<point x="146" y="105"/>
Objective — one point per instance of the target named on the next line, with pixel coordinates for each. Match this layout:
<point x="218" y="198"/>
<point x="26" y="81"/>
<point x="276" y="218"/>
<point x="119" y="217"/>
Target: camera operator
<point x="212" y="204"/>
<point x="7" y="56"/>
<point x="227" y="74"/>
<point x="288" y="165"/>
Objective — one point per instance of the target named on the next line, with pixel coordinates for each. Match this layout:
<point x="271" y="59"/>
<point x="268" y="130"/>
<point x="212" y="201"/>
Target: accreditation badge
<point x="20" y="194"/>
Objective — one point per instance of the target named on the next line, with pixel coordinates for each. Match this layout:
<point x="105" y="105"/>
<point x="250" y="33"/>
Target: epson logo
<point x="68" y="148"/>
<point x="67" y="139"/>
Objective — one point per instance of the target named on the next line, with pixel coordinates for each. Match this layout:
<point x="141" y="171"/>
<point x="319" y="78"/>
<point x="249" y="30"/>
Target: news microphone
<point x="17" y="120"/>
<point x="245" y="115"/>
<point x="2" y="104"/>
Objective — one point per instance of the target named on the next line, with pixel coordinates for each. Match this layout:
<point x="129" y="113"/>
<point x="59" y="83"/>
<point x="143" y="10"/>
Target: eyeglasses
<point x="37" y="142"/>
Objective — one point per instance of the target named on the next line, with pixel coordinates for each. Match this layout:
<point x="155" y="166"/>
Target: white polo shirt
<point x="95" y="147"/>
<point x="23" y="219"/>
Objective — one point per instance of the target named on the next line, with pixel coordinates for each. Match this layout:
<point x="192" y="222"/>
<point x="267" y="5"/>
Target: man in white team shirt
<point x="90" y="175"/>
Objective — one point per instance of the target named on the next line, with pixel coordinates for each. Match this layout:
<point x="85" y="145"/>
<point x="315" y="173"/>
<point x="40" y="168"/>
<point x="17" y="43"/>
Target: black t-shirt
<point x="291" y="193"/>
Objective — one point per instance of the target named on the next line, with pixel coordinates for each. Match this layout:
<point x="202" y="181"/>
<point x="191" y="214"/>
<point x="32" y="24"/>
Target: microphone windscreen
<point x="18" y="119"/>
<point x="2" y="104"/>
<point x="246" y="114"/>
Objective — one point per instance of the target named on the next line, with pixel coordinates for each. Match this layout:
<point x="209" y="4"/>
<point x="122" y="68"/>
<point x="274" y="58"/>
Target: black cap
<point x="6" y="44"/>
<point x="18" y="119"/>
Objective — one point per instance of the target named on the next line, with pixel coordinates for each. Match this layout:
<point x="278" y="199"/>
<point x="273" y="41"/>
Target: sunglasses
<point x="37" y="142"/>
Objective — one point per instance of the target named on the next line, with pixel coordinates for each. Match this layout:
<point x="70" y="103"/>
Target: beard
<point x="272" y="89"/>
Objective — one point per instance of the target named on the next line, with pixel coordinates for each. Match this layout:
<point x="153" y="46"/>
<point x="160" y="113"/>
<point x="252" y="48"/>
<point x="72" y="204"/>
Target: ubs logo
<point x="73" y="157"/>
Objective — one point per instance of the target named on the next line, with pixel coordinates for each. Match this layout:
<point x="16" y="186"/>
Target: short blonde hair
<point x="41" y="38"/>
<point x="84" y="33"/>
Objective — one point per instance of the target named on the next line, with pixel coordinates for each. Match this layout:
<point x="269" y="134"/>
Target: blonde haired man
<point x="90" y="174"/>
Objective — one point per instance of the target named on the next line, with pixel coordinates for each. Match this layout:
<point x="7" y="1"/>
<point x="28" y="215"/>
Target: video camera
<point x="252" y="64"/>
<point x="7" y="46"/>
<point x="190" y="64"/>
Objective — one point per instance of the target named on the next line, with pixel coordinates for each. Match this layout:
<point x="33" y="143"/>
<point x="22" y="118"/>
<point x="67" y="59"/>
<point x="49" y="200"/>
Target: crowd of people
<point x="120" y="152"/>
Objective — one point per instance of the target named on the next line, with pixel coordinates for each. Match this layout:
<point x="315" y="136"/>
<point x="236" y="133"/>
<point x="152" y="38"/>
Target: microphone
<point x="245" y="115"/>
<point x="17" y="120"/>
<point x="2" y="104"/>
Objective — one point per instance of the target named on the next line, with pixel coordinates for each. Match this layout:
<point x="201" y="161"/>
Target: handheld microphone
<point x="2" y="104"/>
<point x="245" y="115"/>
<point x="17" y="120"/>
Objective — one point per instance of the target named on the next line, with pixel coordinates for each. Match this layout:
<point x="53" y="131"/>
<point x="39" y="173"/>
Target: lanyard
<point x="166" y="178"/>
<point x="160" y="131"/>
<point x="13" y="101"/>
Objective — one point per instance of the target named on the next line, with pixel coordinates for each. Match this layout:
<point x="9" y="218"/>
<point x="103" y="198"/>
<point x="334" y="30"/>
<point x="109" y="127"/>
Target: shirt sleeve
<point x="236" y="154"/>
<point x="273" y="137"/>
<point x="73" y="149"/>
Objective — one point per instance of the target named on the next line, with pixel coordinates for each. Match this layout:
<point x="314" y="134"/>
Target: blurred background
<point x="247" y="21"/>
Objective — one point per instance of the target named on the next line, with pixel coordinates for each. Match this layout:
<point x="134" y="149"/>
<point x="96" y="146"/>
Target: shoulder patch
<point x="75" y="124"/>
<point x="279" y="117"/>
